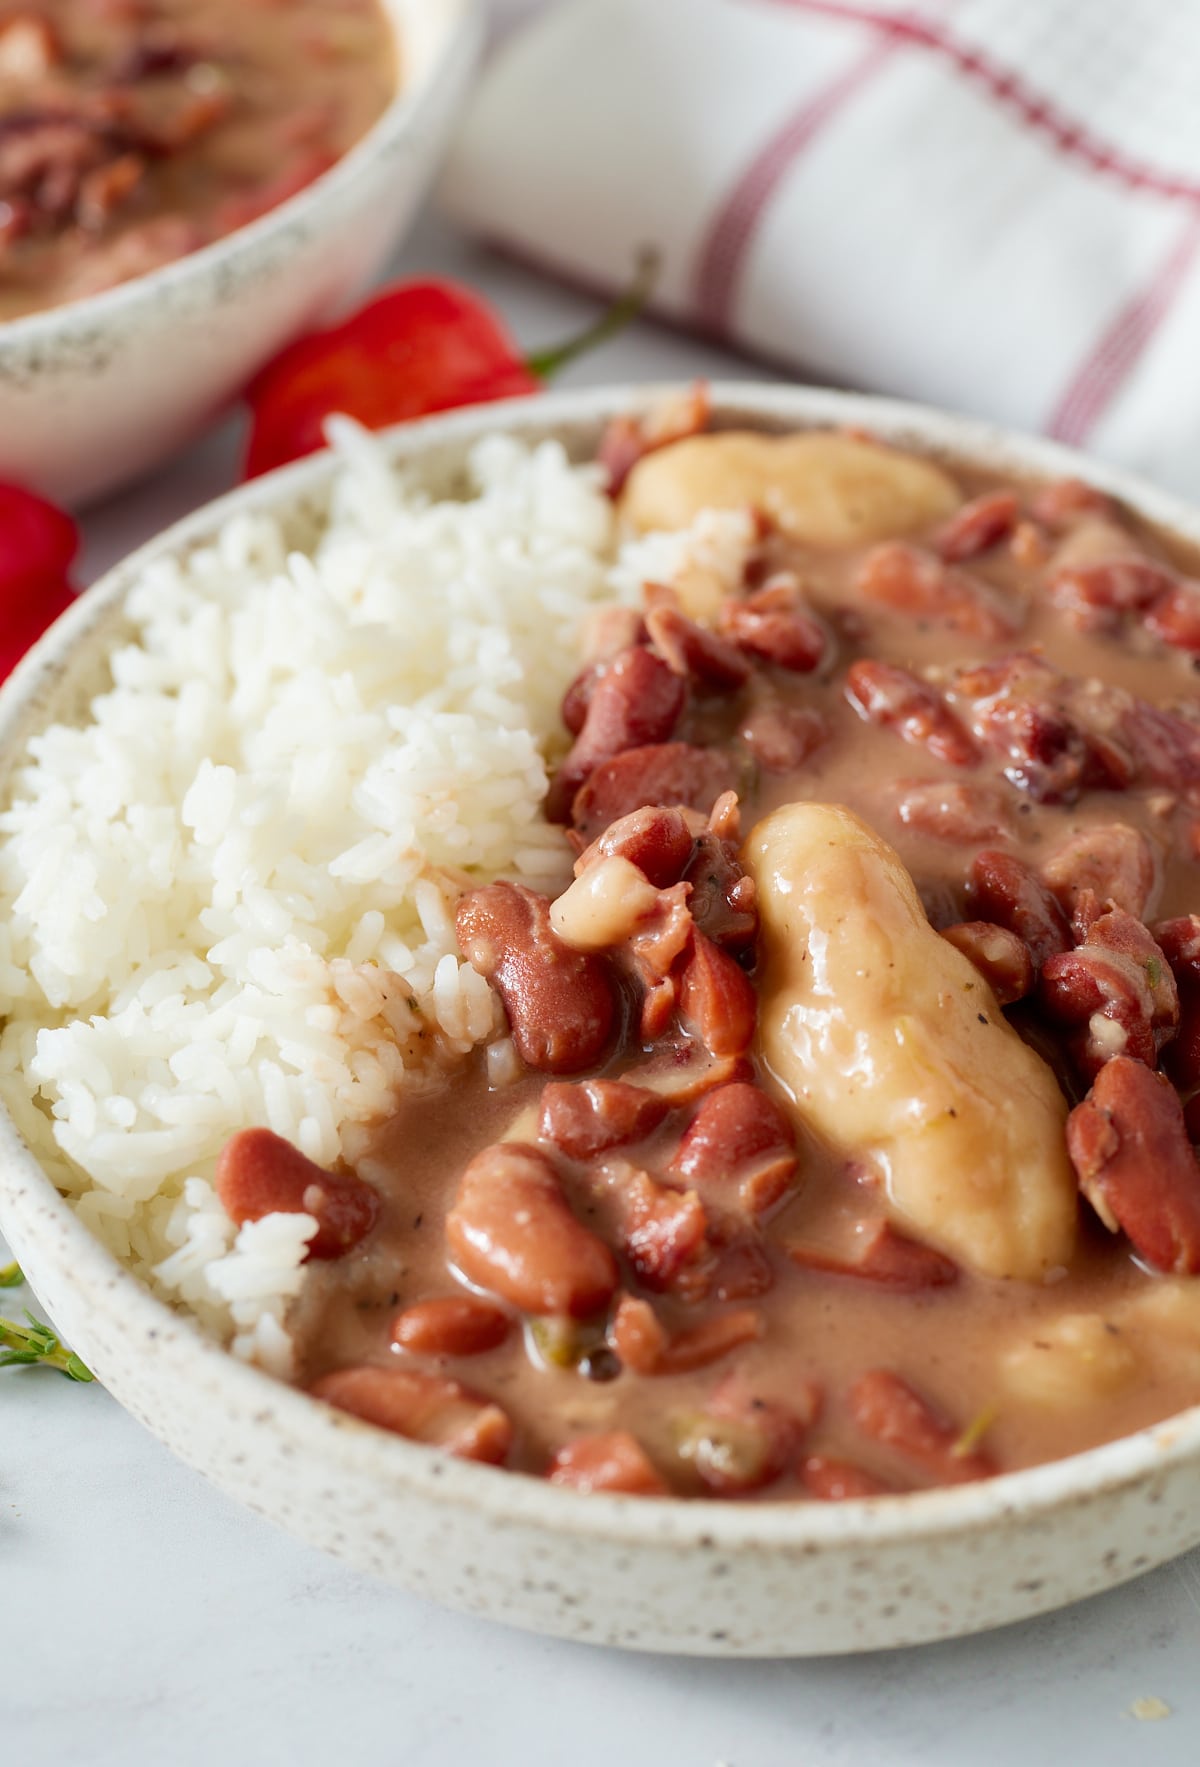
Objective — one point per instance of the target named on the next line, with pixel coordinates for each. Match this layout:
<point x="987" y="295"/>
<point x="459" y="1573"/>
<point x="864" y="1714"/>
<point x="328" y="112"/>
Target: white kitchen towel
<point x="992" y="205"/>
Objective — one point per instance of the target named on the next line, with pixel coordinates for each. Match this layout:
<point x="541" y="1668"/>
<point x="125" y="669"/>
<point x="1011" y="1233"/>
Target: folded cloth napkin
<point x="992" y="205"/>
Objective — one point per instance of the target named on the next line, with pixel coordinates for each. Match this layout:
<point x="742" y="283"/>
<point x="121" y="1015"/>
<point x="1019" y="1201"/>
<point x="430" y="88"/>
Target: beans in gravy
<point x="847" y="1139"/>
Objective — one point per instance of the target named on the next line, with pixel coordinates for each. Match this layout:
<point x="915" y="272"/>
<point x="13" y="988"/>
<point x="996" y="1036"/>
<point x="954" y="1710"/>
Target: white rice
<point x="228" y="898"/>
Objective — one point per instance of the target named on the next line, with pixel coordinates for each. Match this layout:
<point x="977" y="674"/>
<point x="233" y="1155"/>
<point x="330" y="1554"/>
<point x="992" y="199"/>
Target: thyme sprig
<point x="35" y="1344"/>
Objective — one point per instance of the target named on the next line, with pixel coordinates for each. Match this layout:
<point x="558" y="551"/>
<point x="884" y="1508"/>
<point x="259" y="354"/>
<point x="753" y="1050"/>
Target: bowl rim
<point x="82" y="1261"/>
<point x="461" y="28"/>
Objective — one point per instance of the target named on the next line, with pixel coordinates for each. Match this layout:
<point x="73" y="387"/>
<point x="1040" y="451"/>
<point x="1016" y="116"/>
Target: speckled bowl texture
<point x="96" y="392"/>
<point x="702" y="1577"/>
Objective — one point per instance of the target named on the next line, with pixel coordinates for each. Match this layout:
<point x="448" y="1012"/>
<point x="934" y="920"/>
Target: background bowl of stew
<point x="698" y="1576"/>
<point x="95" y="392"/>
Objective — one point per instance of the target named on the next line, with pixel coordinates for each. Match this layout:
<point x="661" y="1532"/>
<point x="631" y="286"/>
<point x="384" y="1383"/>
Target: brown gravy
<point x="948" y="1342"/>
<point x="135" y="131"/>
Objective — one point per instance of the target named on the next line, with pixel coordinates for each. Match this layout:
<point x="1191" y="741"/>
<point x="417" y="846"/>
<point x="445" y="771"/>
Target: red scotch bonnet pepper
<point x="416" y="348"/>
<point x="38" y="544"/>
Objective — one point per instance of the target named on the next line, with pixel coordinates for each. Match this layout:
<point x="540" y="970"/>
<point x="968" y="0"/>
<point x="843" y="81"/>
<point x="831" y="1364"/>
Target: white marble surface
<point x="149" y="1622"/>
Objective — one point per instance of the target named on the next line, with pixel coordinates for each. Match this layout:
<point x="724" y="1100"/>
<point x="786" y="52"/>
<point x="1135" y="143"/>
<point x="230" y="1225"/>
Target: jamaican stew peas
<point x="841" y="1141"/>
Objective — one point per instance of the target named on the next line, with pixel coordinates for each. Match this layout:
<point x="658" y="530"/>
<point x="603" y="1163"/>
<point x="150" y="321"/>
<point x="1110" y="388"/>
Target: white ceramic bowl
<point x="704" y="1577"/>
<point x="96" y="392"/>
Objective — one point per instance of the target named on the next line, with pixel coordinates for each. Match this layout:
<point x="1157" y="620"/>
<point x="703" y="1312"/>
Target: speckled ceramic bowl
<point x="96" y="392"/>
<point x="703" y="1577"/>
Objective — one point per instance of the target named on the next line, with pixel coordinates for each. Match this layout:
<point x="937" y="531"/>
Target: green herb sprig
<point x="11" y="1276"/>
<point x="35" y="1344"/>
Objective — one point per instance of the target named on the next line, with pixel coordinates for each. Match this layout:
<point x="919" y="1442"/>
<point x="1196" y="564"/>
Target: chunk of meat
<point x="890" y="1412"/>
<point x="1165" y="746"/>
<point x="635" y="701"/>
<point x="1179" y="942"/>
<point x="424" y="1407"/>
<point x="742" y="1441"/>
<point x="1108" y="865"/>
<point x="627" y="439"/>
<point x="1130" y="1148"/>
<point x="774" y="626"/>
<point x="738" y="1144"/>
<point x="896" y="1053"/>
<point x="593" y="1116"/>
<point x="661" y="773"/>
<point x="663" y="1232"/>
<point x="1175" y="617"/>
<point x="1095" y="595"/>
<point x="839" y="1481"/>
<point x="983" y="523"/>
<point x="1052" y="734"/>
<point x="1116" y="989"/>
<point x="561" y="1004"/>
<point x="1004" y="890"/>
<point x="911" y="581"/>
<point x="952" y="810"/>
<point x="822" y="488"/>
<point x="722" y="898"/>
<point x="717" y="999"/>
<point x="695" y="652"/>
<point x="611" y="1461"/>
<point x="451" y="1325"/>
<point x="1002" y="959"/>
<point x="645" y="1346"/>
<point x="259" y="1173"/>
<point x="880" y="1254"/>
<point x="885" y="694"/>
<point x="511" y="1231"/>
<point x="606" y="904"/>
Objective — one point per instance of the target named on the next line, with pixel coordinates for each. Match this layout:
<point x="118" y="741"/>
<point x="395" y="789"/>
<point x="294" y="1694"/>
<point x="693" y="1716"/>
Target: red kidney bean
<point x="1003" y="889"/>
<point x="1129" y="1145"/>
<point x="659" y="773"/>
<point x="887" y="1409"/>
<point x="593" y="1116"/>
<point x="693" y="651"/>
<point x="1001" y="958"/>
<point x="636" y="700"/>
<point x="612" y="1461"/>
<point x="561" y="1003"/>
<point x="1175" y="617"/>
<point x="1110" y="865"/>
<point x="424" y="1407"/>
<point x="663" y="1233"/>
<point x="578" y="696"/>
<point x="1165" y="747"/>
<point x="839" y="1481"/>
<point x="1062" y="502"/>
<point x="722" y="902"/>
<point x="451" y="1325"/>
<point x="1050" y="749"/>
<point x="774" y="625"/>
<point x="911" y="581"/>
<point x="1096" y="595"/>
<point x="952" y="810"/>
<point x="882" y="1255"/>
<point x="782" y="737"/>
<point x="511" y="1231"/>
<point x="738" y="1141"/>
<point x="645" y="1346"/>
<point x="1179" y="941"/>
<point x="657" y="839"/>
<point x="978" y="526"/>
<point x="890" y="696"/>
<point x="1181" y="1057"/>
<point x="740" y="1441"/>
<point x="1118" y="976"/>
<point x="717" y="999"/>
<point x="259" y="1173"/>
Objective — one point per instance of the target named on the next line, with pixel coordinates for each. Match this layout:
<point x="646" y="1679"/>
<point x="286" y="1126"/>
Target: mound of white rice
<point x="227" y="899"/>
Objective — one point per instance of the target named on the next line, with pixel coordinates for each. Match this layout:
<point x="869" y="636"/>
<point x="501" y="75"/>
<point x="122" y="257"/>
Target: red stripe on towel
<point x="723" y="251"/>
<point x="1098" y="380"/>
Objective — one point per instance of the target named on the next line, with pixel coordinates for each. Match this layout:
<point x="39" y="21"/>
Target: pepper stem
<point x="547" y="363"/>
